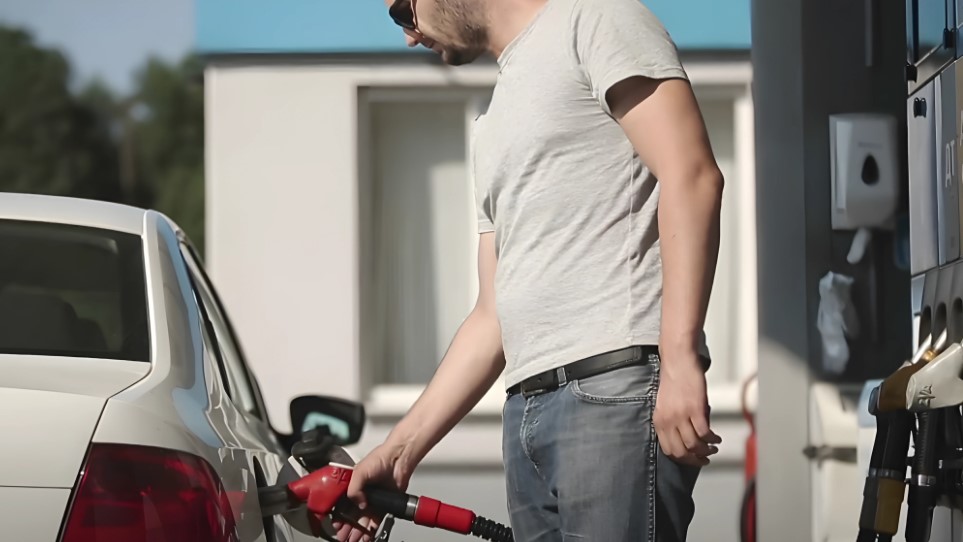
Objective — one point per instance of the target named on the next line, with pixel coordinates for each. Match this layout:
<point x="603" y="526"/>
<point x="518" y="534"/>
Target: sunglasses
<point x="403" y="14"/>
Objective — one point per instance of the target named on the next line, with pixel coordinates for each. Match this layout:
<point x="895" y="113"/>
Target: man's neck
<point x="507" y="19"/>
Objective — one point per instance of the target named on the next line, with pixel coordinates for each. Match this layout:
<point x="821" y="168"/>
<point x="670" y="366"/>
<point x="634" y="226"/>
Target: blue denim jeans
<point x="583" y="463"/>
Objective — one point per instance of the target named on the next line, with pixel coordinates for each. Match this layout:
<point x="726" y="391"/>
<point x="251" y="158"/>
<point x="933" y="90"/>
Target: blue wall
<point x="342" y="26"/>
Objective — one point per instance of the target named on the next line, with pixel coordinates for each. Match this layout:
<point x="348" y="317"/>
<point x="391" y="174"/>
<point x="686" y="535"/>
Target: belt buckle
<point x="531" y="392"/>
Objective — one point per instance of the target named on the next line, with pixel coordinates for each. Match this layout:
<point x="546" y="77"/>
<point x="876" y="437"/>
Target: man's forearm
<point x="689" y="214"/>
<point x="468" y="370"/>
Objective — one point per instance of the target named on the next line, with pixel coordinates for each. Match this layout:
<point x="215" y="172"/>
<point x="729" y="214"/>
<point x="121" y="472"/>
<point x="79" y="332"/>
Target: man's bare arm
<point x="468" y="370"/>
<point x="663" y="121"/>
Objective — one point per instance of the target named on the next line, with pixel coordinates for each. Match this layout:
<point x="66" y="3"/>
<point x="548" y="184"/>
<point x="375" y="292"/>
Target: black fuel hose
<point x="923" y="490"/>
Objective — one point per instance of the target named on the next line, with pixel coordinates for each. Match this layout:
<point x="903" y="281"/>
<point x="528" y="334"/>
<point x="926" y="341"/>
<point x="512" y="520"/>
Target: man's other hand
<point x="682" y="412"/>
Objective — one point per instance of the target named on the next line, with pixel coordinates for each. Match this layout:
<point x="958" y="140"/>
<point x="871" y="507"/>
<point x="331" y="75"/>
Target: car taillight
<point x="143" y="494"/>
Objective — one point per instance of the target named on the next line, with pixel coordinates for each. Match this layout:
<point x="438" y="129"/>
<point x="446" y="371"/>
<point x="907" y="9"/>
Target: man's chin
<point x="458" y="58"/>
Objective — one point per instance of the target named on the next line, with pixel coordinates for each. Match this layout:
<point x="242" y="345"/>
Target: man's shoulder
<point x="600" y="15"/>
<point x="622" y="7"/>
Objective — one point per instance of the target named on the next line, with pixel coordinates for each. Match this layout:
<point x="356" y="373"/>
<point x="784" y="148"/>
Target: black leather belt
<point x="583" y="368"/>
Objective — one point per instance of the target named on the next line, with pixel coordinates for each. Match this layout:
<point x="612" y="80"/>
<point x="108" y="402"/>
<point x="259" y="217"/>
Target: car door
<point x="268" y="457"/>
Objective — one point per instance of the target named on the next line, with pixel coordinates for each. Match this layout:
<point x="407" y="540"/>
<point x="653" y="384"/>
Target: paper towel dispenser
<point x="863" y="158"/>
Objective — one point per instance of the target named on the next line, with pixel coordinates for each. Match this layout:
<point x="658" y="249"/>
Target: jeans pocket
<point x="632" y="384"/>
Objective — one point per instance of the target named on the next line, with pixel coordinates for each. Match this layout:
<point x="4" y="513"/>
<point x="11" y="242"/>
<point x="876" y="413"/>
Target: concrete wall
<point x="282" y="230"/>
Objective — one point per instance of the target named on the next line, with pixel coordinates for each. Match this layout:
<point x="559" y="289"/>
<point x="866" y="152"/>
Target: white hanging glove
<point x="836" y="320"/>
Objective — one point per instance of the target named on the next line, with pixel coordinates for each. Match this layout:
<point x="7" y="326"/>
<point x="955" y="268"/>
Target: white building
<point x="341" y="228"/>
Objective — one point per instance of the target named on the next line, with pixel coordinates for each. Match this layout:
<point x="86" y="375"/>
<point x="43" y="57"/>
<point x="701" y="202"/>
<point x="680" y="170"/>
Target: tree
<point x="169" y="132"/>
<point x="50" y="142"/>
<point x="145" y="149"/>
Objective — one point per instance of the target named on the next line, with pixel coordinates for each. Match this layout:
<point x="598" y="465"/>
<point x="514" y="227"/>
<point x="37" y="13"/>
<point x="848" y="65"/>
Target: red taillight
<point x="141" y="494"/>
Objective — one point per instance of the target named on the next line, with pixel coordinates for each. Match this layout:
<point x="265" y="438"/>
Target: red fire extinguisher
<point x="747" y="519"/>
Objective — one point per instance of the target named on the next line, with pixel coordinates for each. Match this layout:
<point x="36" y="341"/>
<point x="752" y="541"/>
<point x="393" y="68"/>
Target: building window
<point x="418" y="237"/>
<point x="731" y="318"/>
<point x="719" y="115"/>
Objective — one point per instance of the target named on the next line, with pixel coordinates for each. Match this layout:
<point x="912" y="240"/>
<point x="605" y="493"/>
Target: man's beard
<point x="469" y="21"/>
<point x="460" y="57"/>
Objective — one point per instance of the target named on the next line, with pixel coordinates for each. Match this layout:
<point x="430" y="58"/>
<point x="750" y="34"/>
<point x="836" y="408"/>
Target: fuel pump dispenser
<point x="920" y="403"/>
<point x="918" y="448"/>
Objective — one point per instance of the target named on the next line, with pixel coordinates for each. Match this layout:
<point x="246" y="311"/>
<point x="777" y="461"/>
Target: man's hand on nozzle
<point x="385" y="466"/>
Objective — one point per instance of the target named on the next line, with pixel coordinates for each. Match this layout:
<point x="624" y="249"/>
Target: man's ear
<point x="412" y="38"/>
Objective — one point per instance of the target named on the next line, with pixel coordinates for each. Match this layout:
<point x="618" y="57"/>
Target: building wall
<point x="291" y="26"/>
<point x="305" y="164"/>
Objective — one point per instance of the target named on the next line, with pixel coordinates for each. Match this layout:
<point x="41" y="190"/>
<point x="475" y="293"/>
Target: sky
<point x="107" y="38"/>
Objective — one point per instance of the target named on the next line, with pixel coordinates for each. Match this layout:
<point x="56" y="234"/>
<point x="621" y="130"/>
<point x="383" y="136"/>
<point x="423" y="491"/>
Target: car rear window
<point x="72" y="291"/>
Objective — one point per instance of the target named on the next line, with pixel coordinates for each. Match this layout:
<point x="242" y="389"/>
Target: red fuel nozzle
<point x="432" y="513"/>
<point x="324" y="488"/>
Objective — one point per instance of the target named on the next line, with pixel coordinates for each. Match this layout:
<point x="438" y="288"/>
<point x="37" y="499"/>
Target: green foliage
<point x="50" y="142"/>
<point x="169" y="130"/>
<point x="146" y="149"/>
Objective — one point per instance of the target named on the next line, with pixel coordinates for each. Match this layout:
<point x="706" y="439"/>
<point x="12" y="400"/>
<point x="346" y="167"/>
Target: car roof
<point x="70" y="210"/>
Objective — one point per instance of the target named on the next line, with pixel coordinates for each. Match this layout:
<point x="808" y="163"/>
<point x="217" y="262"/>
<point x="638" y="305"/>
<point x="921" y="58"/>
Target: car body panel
<point x="158" y="418"/>
<point x="93" y="377"/>
<point x="46" y="448"/>
<point x="66" y="210"/>
<point x="32" y="513"/>
<point x="182" y="403"/>
<point x="52" y="407"/>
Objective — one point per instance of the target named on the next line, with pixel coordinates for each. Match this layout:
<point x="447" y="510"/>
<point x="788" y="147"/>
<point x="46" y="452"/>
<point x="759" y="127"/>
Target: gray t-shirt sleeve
<point x="481" y="193"/>
<point x="484" y="221"/>
<point x="618" y="39"/>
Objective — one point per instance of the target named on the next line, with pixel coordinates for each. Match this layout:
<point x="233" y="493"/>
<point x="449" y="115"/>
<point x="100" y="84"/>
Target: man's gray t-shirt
<point x="573" y="208"/>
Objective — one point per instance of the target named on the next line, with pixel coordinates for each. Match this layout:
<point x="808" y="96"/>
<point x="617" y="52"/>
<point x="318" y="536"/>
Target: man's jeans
<point x="583" y="463"/>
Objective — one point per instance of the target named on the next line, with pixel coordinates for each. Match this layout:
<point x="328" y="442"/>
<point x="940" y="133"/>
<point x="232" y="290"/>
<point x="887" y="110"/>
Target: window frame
<point x="395" y="399"/>
<point x="733" y="81"/>
<point x="741" y="190"/>
<point x="202" y="286"/>
<point x="210" y="337"/>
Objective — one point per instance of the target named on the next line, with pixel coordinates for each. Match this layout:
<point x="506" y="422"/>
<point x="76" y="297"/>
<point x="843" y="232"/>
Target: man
<point x="598" y="211"/>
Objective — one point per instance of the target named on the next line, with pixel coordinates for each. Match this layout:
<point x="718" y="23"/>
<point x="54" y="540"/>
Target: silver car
<point x="128" y="411"/>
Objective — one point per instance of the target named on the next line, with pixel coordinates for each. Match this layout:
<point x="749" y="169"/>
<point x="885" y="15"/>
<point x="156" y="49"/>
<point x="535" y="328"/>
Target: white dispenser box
<point x="863" y="159"/>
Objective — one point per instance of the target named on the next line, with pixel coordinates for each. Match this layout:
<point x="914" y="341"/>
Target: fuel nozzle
<point x="324" y="491"/>
<point x="894" y="390"/>
<point x="938" y="383"/>
<point x="885" y="484"/>
<point x="923" y="483"/>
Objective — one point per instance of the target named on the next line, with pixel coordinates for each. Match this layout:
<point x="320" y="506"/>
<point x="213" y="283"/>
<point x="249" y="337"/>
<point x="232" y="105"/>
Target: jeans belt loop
<point x="562" y="377"/>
